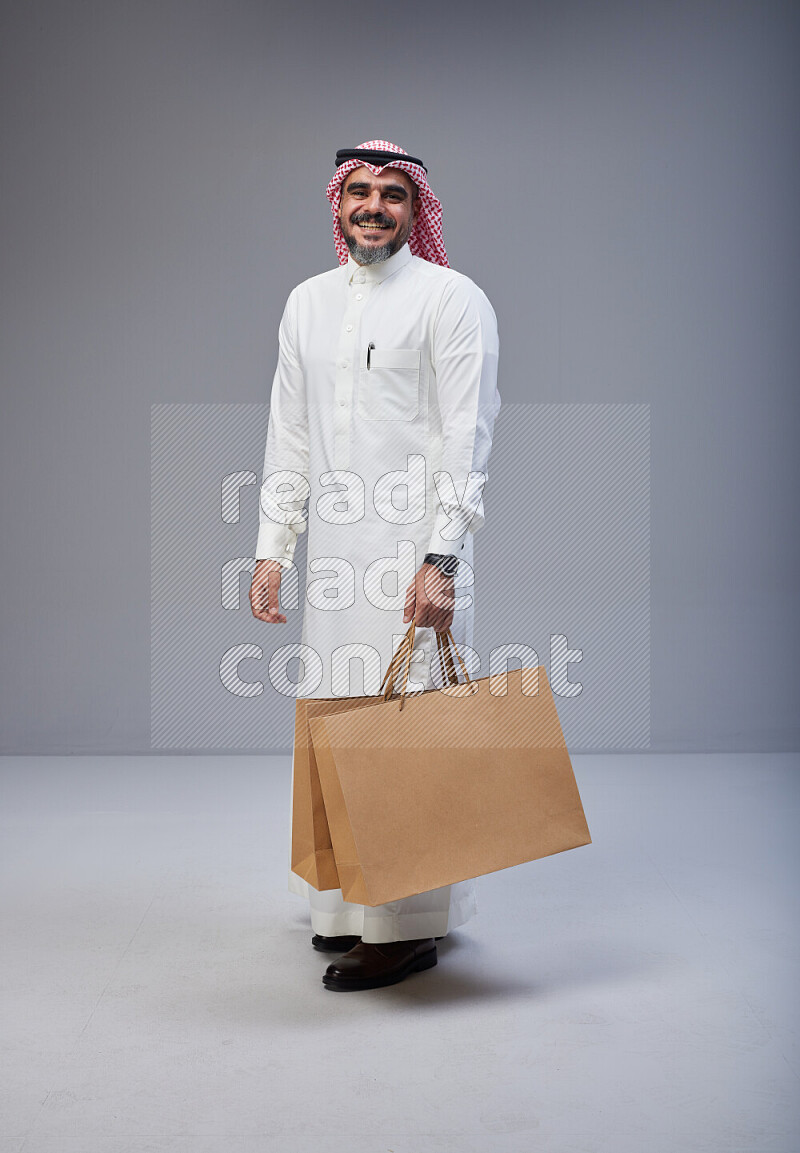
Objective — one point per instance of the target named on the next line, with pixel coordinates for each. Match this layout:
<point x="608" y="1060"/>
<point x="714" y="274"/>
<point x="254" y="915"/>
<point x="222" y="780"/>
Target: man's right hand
<point x="265" y="592"/>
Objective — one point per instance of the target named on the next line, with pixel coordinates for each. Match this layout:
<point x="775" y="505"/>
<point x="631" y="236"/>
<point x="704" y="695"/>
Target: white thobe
<point x="381" y="418"/>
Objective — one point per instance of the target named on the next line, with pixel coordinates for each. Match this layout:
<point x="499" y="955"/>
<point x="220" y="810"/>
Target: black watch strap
<point x="446" y="563"/>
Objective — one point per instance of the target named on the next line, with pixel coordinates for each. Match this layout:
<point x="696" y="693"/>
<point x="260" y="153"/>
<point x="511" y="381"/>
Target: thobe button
<point x="349" y="328"/>
<point x="342" y="403"/>
<point x="359" y="295"/>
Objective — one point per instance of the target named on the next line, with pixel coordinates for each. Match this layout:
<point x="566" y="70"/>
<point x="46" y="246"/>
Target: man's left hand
<point x="430" y="599"/>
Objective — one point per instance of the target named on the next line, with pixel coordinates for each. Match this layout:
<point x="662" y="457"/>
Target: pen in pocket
<point x="370" y="347"/>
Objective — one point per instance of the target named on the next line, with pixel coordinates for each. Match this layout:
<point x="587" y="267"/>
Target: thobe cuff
<point x="450" y="532"/>
<point x="276" y="542"/>
<point x="440" y="544"/>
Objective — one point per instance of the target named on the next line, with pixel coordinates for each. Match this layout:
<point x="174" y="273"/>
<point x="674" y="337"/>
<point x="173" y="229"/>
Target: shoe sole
<point x="426" y="961"/>
<point x="336" y="948"/>
<point x="328" y="948"/>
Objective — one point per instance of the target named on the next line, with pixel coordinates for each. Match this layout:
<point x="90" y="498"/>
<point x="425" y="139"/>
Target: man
<point x="381" y="418"/>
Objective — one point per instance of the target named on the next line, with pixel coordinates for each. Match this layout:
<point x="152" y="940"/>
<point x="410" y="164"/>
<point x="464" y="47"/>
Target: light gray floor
<point x="637" y="995"/>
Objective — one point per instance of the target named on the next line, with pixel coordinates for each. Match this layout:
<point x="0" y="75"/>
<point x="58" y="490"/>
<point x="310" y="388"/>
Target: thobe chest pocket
<point x="389" y="388"/>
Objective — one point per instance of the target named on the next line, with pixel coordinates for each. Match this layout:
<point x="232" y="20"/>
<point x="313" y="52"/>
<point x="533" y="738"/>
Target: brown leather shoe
<point x="368" y="966"/>
<point x="333" y="944"/>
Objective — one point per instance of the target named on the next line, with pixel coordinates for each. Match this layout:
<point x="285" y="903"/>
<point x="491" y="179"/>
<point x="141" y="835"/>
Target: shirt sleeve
<point x="465" y="354"/>
<point x="282" y="513"/>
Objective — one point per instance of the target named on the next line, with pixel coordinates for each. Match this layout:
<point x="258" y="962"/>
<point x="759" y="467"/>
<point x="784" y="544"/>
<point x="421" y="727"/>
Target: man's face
<point x="377" y="213"/>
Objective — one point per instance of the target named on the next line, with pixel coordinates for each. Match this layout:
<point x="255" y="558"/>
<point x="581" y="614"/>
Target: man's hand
<point x="430" y="599"/>
<point x="265" y="590"/>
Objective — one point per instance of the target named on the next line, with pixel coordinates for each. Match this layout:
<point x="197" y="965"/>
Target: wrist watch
<point x="445" y="562"/>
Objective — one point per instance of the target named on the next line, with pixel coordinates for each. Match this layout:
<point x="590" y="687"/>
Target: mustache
<point x="370" y="218"/>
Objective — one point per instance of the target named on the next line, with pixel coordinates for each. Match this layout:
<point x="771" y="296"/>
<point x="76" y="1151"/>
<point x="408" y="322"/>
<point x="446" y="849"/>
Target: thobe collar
<point x="375" y="273"/>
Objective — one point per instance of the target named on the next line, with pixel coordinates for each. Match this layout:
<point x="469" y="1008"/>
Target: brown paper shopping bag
<point x="444" y="784"/>
<point x="311" y="851"/>
<point x="312" y="856"/>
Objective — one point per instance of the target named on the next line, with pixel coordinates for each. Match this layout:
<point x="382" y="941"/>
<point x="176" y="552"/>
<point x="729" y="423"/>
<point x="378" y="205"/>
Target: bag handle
<point x="445" y="656"/>
<point x="445" y="642"/>
<point x="402" y="655"/>
<point x="402" y="660"/>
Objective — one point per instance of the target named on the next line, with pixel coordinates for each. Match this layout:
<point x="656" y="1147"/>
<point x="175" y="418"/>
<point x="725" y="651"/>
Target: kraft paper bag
<point x="444" y="784"/>
<point x="312" y="856"/>
<point x="311" y="851"/>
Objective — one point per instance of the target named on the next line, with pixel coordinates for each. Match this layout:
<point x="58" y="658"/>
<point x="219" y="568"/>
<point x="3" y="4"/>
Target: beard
<point x="363" y="255"/>
<point x="373" y="255"/>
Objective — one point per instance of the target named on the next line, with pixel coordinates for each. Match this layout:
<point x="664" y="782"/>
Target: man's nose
<point x="375" y="201"/>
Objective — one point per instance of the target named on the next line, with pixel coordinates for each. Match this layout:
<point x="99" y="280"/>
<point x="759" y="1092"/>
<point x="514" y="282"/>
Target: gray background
<point x="621" y="179"/>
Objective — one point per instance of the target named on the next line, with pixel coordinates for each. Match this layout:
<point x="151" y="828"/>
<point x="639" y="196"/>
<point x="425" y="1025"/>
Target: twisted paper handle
<point x="402" y="660"/>
<point x="444" y="644"/>
<point x="402" y="654"/>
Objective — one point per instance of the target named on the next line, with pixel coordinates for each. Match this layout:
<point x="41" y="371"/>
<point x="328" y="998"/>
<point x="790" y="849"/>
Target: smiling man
<point x="377" y="213"/>
<point x="386" y="387"/>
